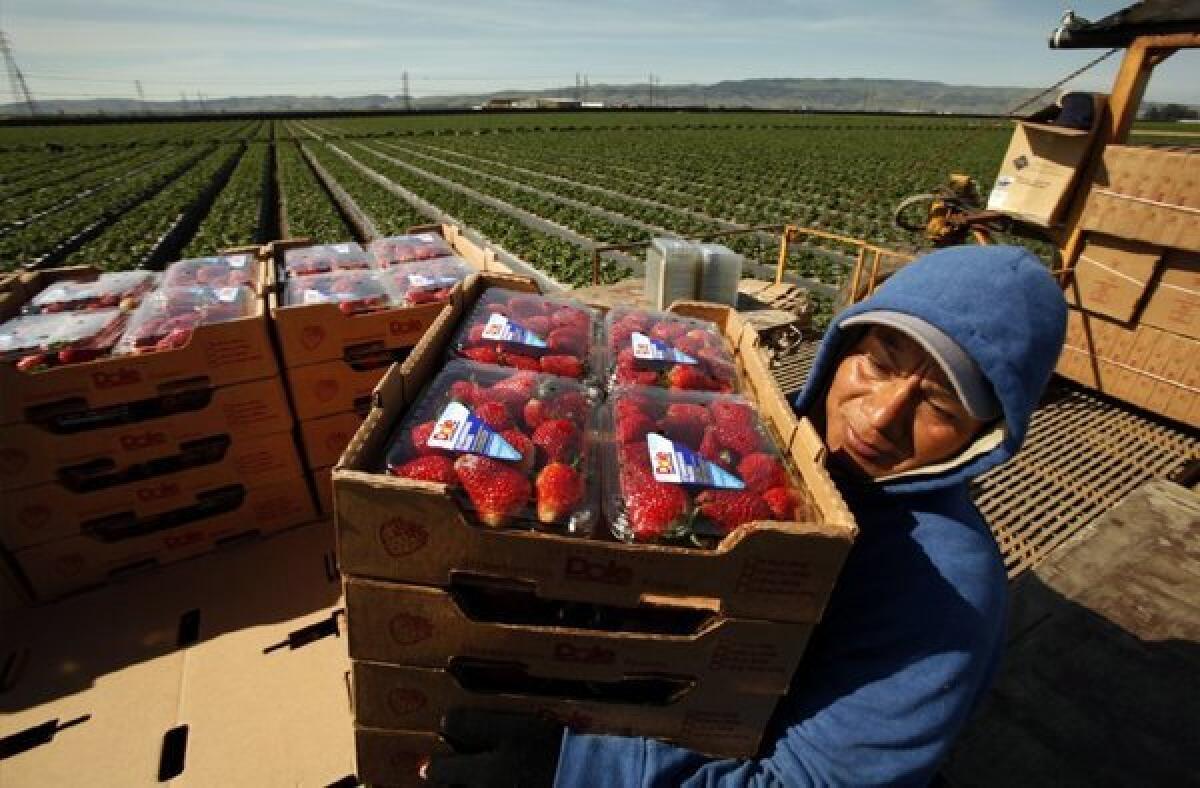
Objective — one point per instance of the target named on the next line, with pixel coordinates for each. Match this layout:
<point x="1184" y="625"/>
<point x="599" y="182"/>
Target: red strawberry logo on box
<point x="13" y="461"/>
<point x="401" y="537"/>
<point x="311" y="337"/>
<point x="405" y="700"/>
<point x="326" y="390"/>
<point x="407" y="630"/>
<point x="34" y="516"/>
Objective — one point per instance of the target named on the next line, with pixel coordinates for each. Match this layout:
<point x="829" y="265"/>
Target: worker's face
<point x="892" y="409"/>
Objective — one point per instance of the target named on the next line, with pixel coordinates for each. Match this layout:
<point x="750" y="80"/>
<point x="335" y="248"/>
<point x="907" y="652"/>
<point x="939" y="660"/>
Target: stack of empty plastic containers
<point x="682" y="270"/>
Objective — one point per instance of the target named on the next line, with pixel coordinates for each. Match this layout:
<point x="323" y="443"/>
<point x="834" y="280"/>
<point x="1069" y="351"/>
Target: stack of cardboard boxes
<point x="688" y="645"/>
<point x="1134" y="326"/>
<point x="132" y="460"/>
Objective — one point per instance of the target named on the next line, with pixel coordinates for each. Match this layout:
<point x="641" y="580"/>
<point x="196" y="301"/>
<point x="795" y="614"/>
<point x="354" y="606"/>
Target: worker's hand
<point x="496" y="749"/>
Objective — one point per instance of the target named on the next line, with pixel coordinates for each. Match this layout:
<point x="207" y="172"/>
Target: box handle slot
<point x="173" y="754"/>
<point x="126" y="525"/>
<point x="494" y="677"/>
<point x="101" y="474"/>
<point x="505" y="601"/>
<point x="71" y="415"/>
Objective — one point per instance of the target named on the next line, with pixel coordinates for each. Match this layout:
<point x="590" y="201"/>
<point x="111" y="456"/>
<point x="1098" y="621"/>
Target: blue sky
<point x="74" y="48"/>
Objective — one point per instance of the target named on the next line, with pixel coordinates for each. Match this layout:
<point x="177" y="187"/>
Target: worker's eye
<point x="878" y="362"/>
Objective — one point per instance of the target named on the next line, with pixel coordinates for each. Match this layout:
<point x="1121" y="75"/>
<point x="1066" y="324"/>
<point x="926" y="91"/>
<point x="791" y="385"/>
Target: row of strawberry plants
<point x="305" y="208"/>
<point x="131" y="242"/>
<point x="234" y="218"/>
<point x="390" y="215"/>
<point x="566" y="262"/>
<point x="50" y="241"/>
<point x="24" y="173"/>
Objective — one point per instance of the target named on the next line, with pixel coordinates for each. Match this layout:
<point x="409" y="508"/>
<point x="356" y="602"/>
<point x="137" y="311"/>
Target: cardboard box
<point x="331" y="387"/>
<point x="1174" y="304"/>
<point x="325" y="439"/>
<point x="1038" y="173"/>
<point x="13" y="594"/>
<point x="51" y="511"/>
<point x="219" y="354"/>
<point x="427" y="627"/>
<point x="1147" y="194"/>
<point x="32" y="454"/>
<point x="213" y="649"/>
<point x="705" y="717"/>
<point x="394" y="758"/>
<point x="1112" y="275"/>
<point x="398" y="529"/>
<point x="1142" y="365"/>
<point x="63" y="565"/>
<point x="322" y="479"/>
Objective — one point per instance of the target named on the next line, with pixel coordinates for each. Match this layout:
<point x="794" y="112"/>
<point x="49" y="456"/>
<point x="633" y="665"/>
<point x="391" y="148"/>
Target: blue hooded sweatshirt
<point x="912" y="634"/>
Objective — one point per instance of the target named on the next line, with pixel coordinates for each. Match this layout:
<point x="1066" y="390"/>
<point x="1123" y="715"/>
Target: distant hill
<point x="858" y="95"/>
<point x="819" y="94"/>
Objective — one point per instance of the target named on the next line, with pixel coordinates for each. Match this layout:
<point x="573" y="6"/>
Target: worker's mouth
<point x="873" y="454"/>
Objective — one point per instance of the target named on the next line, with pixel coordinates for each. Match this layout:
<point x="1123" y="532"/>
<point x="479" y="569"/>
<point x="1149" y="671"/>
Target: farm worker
<point x="929" y="382"/>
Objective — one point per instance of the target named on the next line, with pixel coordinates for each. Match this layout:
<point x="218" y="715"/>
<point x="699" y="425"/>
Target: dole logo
<point x="405" y="327"/>
<point x="405" y="700"/>
<point x="34" y="516"/>
<point x="587" y="655"/>
<point x="158" y="492"/>
<point x="609" y="573"/>
<point x="401" y="537"/>
<point x="143" y="440"/>
<point x="13" y="461"/>
<point x="311" y="337"/>
<point x="407" y="630"/>
<point x="122" y="376"/>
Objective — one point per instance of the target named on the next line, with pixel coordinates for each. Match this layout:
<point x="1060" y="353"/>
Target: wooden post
<point x="783" y="253"/>
<point x="858" y="270"/>
<point x="595" y="266"/>
<point x="874" y="271"/>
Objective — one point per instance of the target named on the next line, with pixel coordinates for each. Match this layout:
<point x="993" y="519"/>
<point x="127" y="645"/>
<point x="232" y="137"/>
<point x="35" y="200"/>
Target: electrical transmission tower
<point x="141" y="96"/>
<point x="407" y="95"/>
<point x="16" y="80"/>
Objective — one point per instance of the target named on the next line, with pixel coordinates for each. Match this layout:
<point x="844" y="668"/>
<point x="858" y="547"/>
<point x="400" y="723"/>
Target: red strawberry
<point x="520" y="441"/>
<point x="730" y="413"/>
<point x="475" y="334"/>
<point x="431" y="468"/>
<point x="719" y="367"/>
<point x="784" y="503"/>
<point x="687" y="377"/>
<point x="633" y="426"/>
<point x="559" y="440"/>
<point x="485" y="354"/>
<point x="535" y="412"/>
<point x="559" y="491"/>
<point x="654" y="508"/>
<point x="571" y="405"/>
<point x="498" y="491"/>
<point x="743" y="440"/>
<point x="689" y="345"/>
<point x="420" y="437"/>
<point x="464" y="391"/>
<point x="633" y="376"/>
<point x="711" y="449"/>
<point x="538" y="324"/>
<point x="685" y="423"/>
<point x="494" y="414"/>
<point x="520" y="361"/>
<point x="523" y="307"/>
<point x="567" y="316"/>
<point x="35" y="362"/>
<point x="570" y="340"/>
<point x="729" y="509"/>
<point x="761" y="472"/>
<point x="564" y="366"/>
<point x="668" y="330"/>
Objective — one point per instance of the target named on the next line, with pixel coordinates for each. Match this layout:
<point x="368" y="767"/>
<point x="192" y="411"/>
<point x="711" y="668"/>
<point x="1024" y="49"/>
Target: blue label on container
<point x="457" y="429"/>
<point x="500" y="329"/>
<point x="648" y="349"/>
<point x="677" y="464"/>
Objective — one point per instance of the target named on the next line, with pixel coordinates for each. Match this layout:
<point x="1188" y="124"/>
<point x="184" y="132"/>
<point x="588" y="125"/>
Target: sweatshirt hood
<point x="1003" y="308"/>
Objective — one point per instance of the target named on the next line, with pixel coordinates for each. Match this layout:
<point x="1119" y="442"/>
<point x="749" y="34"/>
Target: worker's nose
<point x="890" y="404"/>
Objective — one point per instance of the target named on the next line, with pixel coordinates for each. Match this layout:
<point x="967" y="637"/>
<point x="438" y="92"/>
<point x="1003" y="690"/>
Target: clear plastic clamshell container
<point x="687" y="468"/>
<point x="537" y="333"/>
<point x="355" y="292"/>
<point x="401" y="249"/>
<point x="720" y="273"/>
<point x="513" y="446"/>
<point x="37" y="342"/>
<point x="325" y="259"/>
<point x="167" y="317"/>
<point x="112" y="290"/>
<point x="672" y="271"/>
<point x="427" y="281"/>
<point x="666" y="350"/>
<point x="228" y="270"/>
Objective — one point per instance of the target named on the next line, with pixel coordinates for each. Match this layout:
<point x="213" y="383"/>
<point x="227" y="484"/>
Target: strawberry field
<point x="546" y="187"/>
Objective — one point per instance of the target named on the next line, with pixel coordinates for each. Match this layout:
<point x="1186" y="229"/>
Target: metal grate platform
<point x="1082" y="456"/>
